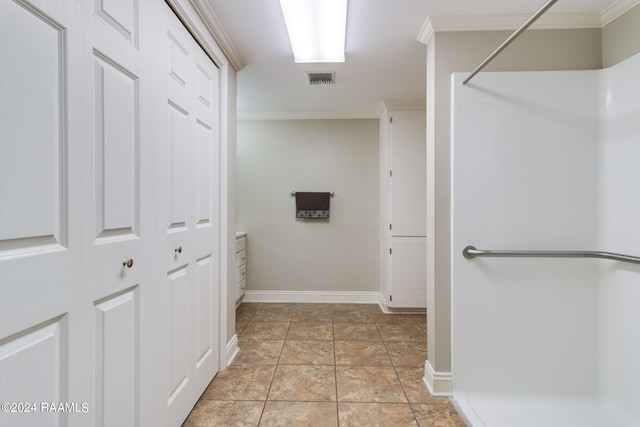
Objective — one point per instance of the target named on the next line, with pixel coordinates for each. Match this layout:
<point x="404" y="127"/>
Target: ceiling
<point x="384" y="59"/>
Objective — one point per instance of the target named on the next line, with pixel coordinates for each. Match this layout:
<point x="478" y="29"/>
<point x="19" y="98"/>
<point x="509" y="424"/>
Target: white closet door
<point x="187" y="194"/>
<point x="41" y="126"/>
<point x="118" y="208"/>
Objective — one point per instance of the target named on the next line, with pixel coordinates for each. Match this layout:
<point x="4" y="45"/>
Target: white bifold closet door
<point x="187" y="221"/>
<point x="108" y="214"/>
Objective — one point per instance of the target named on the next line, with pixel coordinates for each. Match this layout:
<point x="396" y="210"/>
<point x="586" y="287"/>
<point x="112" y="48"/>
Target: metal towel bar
<point x="471" y="252"/>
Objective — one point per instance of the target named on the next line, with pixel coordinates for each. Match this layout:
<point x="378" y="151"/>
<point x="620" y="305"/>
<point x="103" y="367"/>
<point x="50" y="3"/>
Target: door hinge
<point x="390" y="227"/>
<point x="390" y="251"/>
<point x="390" y="298"/>
<point x="391" y="119"/>
<point x="390" y="173"/>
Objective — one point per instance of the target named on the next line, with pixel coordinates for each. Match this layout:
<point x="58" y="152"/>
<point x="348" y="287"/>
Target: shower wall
<point x="619" y="227"/>
<point x="547" y="160"/>
<point x="524" y="177"/>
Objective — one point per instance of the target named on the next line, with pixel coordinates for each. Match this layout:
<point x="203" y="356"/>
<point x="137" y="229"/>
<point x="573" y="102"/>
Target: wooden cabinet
<point x="403" y="204"/>
<point x="241" y="266"/>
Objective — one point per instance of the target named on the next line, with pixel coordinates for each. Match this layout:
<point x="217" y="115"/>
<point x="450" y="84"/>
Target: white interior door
<point x="118" y="227"/>
<point x="40" y="214"/>
<point x="187" y="192"/>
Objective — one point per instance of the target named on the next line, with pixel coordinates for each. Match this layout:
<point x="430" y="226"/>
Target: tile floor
<point x="324" y="365"/>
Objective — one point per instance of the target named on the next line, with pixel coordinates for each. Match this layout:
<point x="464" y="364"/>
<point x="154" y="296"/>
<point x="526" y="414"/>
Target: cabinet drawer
<point x="242" y="273"/>
<point x="241" y="258"/>
<point x="240" y="244"/>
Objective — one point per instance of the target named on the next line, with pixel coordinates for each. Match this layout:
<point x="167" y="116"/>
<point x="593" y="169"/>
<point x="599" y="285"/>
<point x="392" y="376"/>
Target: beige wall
<point x="621" y="38"/>
<point x="449" y="52"/>
<point x="276" y="157"/>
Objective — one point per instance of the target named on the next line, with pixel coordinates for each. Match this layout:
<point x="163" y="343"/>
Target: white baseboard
<point x="399" y="310"/>
<point x="439" y="383"/>
<point x="348" y="297"/>
<point x="232" y="350"/>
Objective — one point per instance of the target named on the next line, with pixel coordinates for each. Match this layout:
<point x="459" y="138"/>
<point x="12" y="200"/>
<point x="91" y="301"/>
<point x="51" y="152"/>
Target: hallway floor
<point x="324" y="365"/>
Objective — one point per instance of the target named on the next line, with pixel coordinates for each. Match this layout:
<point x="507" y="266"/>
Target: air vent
<point x="321" y="78"/>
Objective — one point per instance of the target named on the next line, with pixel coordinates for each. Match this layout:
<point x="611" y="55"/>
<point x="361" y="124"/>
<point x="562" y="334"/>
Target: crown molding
<point x="426" y="32"/>
<point x="205" y="13"/>
<point x="198" y="28"/>
<point x="617" y="9"/>
<point x="507" y="22"/>
<point x="547" y="21"/>
<point x="405" y="104"/>
<point x="307" y="116"/>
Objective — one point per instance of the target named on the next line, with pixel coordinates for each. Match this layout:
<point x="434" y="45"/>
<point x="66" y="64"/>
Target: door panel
<point x="116" y="152"/>
<point x="32" y="117"/>
<point x="177" y="165"/>
<point x="204" y="312"/>
<point x="179" y="332"/>
<point x="204" y="193"/>
<point x="177" y="59"/>
<point x="37" y="353"/>
<point x="121" y="15"/>
<point x="116" y="359"/>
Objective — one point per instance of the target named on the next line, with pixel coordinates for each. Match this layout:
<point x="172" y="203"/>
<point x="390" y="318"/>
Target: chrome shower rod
<point x="511" y="38"/>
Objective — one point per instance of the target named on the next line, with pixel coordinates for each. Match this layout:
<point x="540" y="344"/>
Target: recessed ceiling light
<point x="316" y="29"/>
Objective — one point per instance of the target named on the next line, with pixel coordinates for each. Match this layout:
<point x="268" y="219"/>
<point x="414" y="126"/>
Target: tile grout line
<point x="406" y="396"/>
<point x="335" y="368"/>
<point x="266" y="399"/>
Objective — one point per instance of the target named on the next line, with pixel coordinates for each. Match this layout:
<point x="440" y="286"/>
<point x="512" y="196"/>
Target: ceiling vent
<point x="321" y="78"/>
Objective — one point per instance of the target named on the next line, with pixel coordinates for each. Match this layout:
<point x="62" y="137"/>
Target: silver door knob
<point x="178" y="250"/>
<point x="128" y="263"/>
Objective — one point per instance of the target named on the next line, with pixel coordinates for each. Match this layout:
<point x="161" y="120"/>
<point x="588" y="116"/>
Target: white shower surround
<point x="547" y="160"/>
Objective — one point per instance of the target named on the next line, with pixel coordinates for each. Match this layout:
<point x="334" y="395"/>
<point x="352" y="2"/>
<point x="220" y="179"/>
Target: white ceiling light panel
<point x="316" y="29"/>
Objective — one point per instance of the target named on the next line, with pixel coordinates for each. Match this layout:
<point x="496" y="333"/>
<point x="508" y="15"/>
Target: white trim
<point x="426" y="32"/>
<point x="307" y="116"/>
<point x="382" y="302"/>
<point x="390" y="310"/>
<point x="226" y="209"/>
<point x="355" y="297"/>
<point x="203" y="25"/>
<point x="231" y="350"/>
<point x="439" y="383"/>
<point x="204" y="10"/>
<point x="511" y="21"/>
<point x="617" y="9"/>
<point x="406" y="104"/>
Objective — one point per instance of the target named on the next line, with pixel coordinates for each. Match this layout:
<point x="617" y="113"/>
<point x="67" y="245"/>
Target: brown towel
<point x="312" y="205"/>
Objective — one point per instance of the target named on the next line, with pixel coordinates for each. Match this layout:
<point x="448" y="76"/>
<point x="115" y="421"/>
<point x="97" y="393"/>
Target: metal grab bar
<point x="511" y="38"/>
<point x="471" y="252"/>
